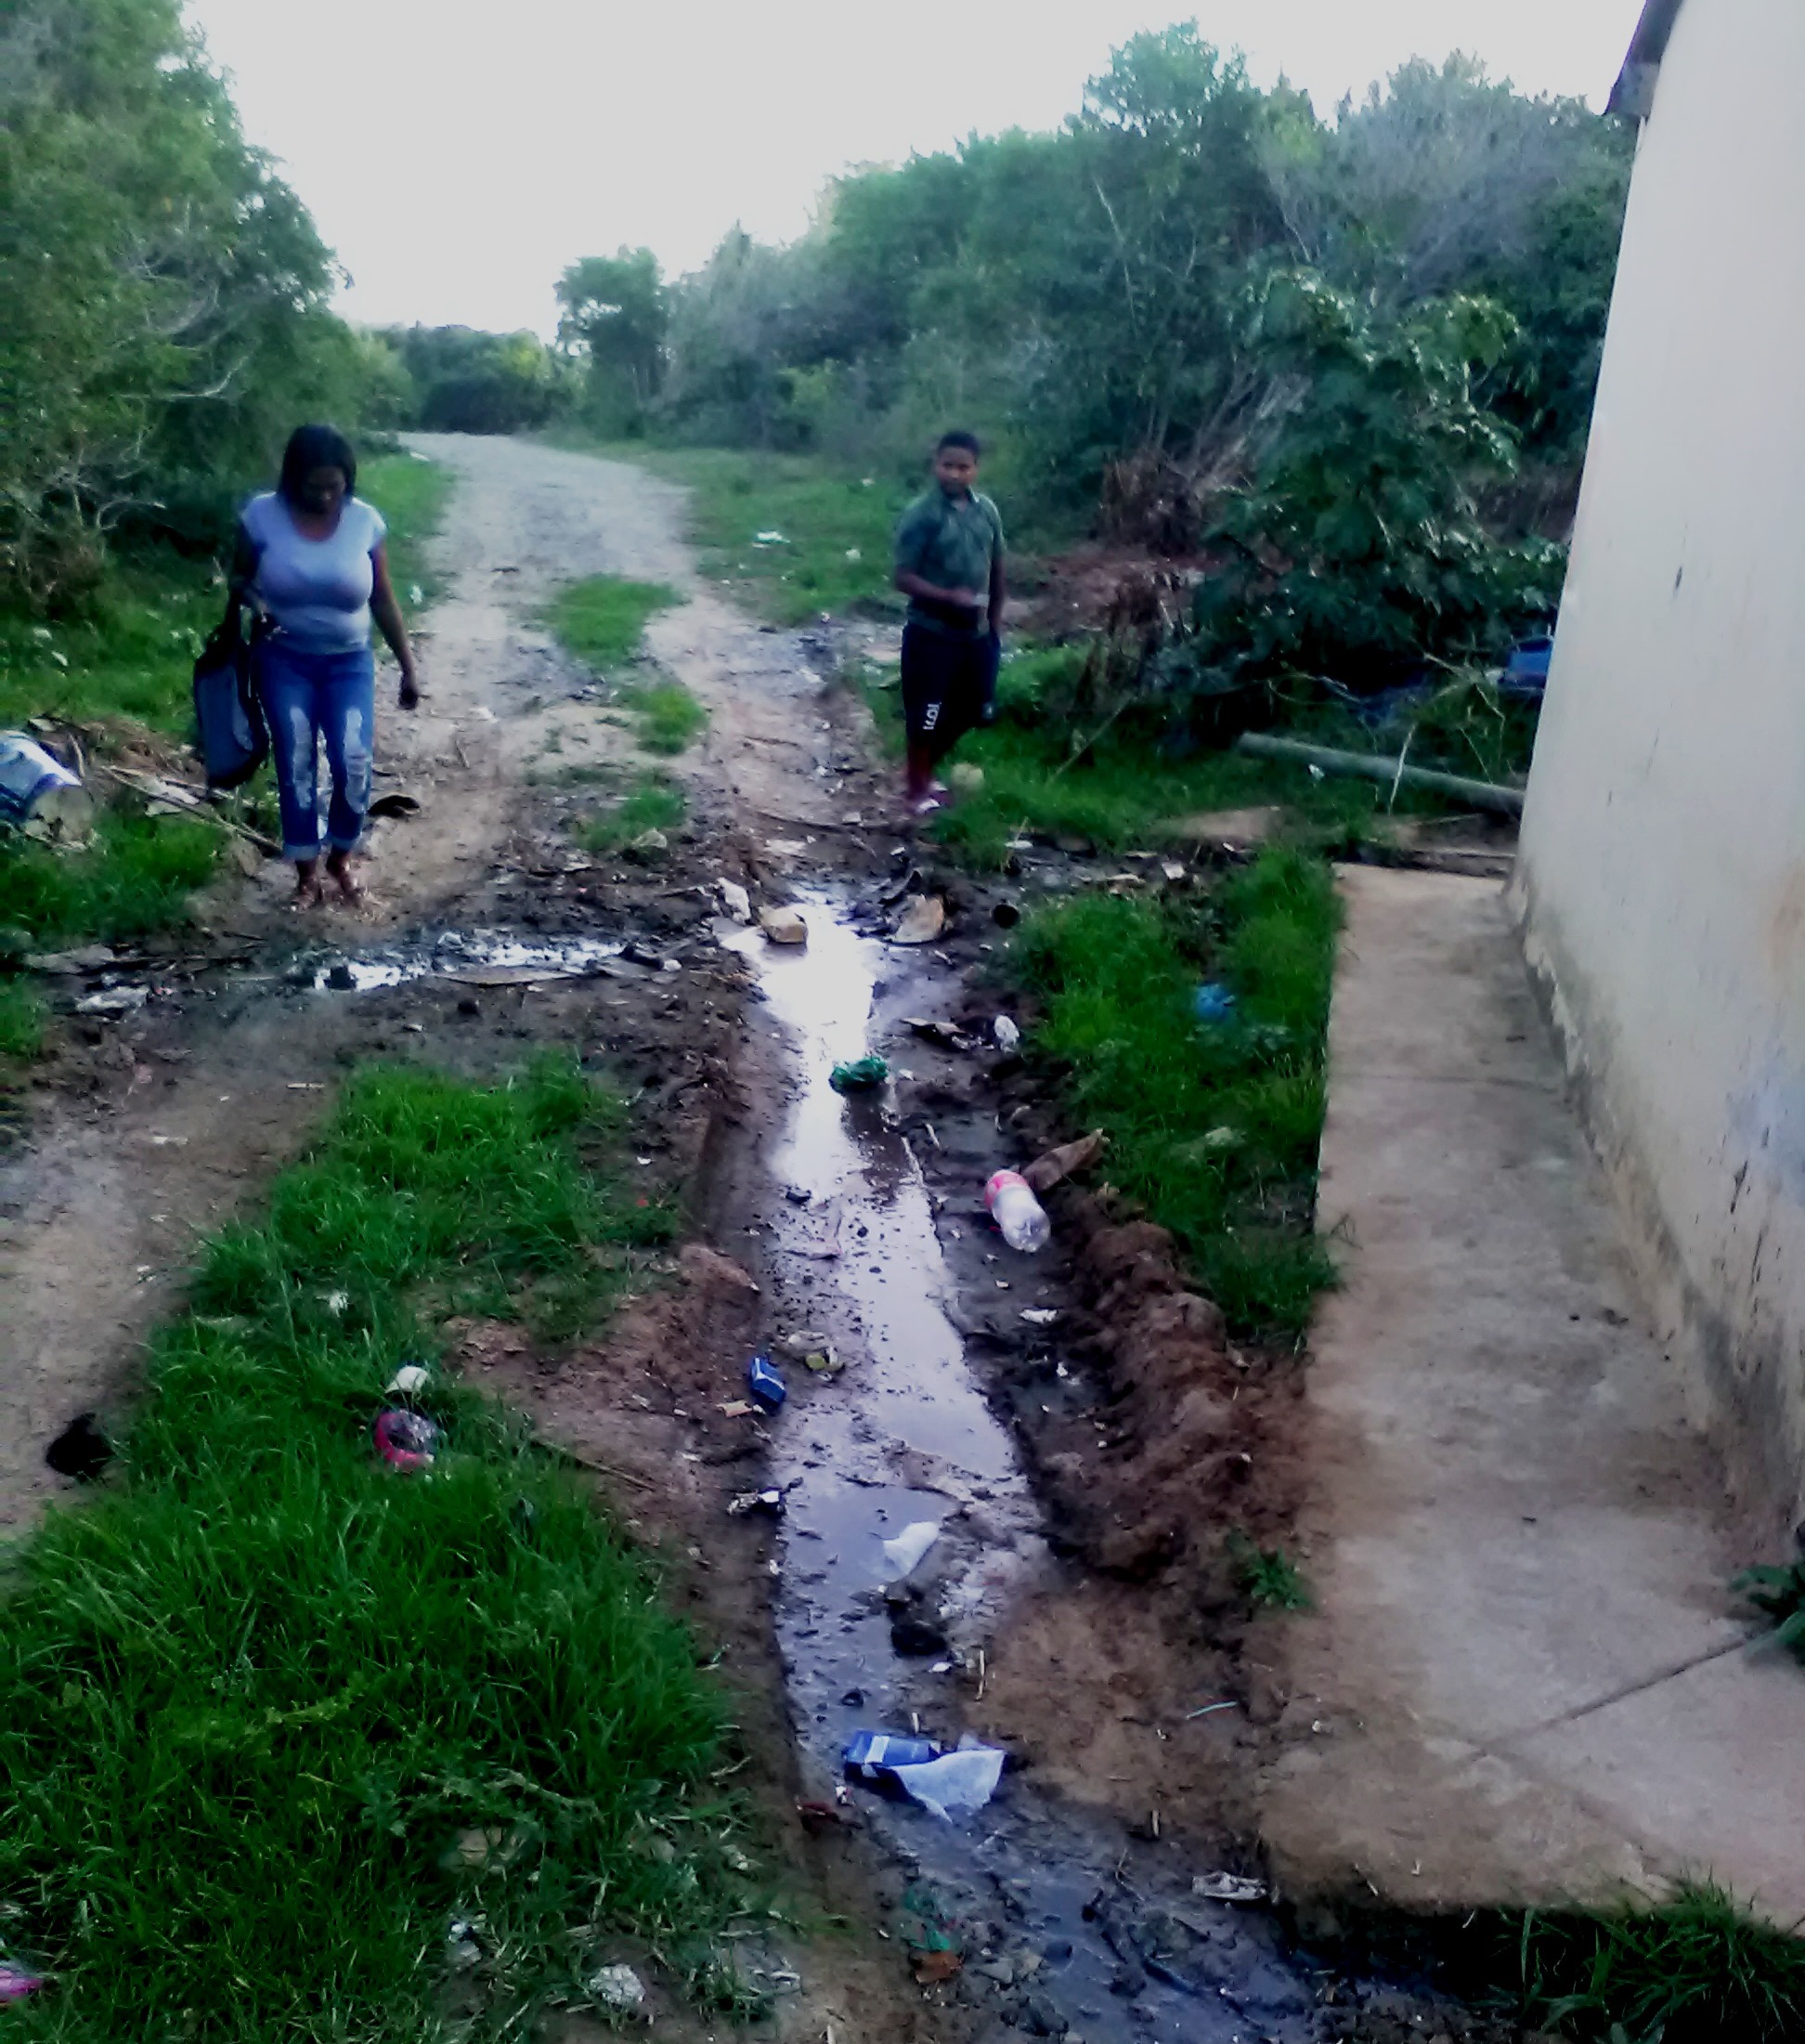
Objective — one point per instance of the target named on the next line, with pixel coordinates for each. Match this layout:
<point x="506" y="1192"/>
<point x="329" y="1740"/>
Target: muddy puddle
<point x="472" y="958"/>
<point x="1064" y="1923"/>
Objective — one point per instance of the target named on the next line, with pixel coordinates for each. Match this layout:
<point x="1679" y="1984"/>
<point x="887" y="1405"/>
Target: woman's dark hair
<point x="960" y="438"/>
<point x="315" y="446"/>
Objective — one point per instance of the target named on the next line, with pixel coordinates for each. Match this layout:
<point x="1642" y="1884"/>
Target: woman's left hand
<point x="408" y="695"/>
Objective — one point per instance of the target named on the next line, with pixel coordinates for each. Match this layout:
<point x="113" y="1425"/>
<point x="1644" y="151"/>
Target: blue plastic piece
<point x="766" y="1382"/>
<point x="1213" y="1002"/>
<point x="873" y="1754"/>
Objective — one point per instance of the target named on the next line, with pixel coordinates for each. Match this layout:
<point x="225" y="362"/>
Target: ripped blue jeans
<point x="308" y="696"/>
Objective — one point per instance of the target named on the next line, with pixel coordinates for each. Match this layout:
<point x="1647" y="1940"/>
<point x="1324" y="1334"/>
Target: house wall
<point x="1662" y="877"/>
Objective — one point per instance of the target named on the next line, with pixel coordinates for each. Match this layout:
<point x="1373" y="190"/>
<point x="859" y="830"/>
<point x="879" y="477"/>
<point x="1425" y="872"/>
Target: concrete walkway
<point x="1524" y="1681"/>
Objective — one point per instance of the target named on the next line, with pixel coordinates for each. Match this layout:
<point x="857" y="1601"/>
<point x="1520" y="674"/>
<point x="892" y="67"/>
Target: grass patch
<point x="411" y="494"/>
<point x="653" y="804"/>
<point x="667" y="714"/>
<point x="1267" y="1577"/>
<point x="602" y="619"/>
<point x="835" y="527"/>
<point x="135" y="879"/>
<point x="272" y="1715"/>
<point x="21" y="1022"/>
<point x="130" y="654"/>
<point x="1215" y="1125"/>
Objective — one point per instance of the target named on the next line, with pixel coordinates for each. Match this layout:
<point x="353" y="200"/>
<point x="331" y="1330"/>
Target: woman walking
<point x="310" y="557"/>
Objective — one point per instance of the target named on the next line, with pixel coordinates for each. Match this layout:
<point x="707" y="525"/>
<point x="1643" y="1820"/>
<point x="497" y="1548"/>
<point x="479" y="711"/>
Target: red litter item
<point x="406" y="1441"/>
<point x="15" y="1985"/>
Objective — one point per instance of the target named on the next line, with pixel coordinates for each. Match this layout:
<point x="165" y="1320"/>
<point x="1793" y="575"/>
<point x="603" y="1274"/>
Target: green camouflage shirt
<point x="950" y="541"/>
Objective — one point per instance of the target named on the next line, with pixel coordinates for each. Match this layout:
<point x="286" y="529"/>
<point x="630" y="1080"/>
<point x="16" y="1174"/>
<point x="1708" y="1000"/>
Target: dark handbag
<point x="233" y="734"/>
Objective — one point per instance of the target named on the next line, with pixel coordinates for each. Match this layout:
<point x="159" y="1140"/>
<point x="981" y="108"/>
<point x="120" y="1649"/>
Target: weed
<point x="667" y="715"/>
<point x="1267" y="1577"/>
<point x="1215" y="1125"/>
<point x="653" y="804"/>
<point x="603" y="620"/>
<point x="272" y="1715"/>
<point x="1780" y="1594"/>
<point x="136" y="878"/>
<point x="1695" y="1970"/>
<point x="21" y="1022"/>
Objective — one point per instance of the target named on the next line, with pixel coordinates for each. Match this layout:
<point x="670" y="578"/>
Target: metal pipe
<point x="1503" y="802"/>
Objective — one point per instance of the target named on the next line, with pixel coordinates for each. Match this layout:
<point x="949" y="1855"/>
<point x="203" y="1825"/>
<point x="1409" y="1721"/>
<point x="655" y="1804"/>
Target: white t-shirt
<point x="317" y="591"/>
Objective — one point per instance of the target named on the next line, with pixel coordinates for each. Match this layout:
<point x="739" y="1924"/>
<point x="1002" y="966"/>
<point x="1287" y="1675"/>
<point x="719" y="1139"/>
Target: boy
<point x="949" y="564"/>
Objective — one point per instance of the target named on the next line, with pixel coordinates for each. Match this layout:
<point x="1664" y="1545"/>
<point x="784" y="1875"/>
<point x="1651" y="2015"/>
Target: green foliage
<point x="1695" y="1971"/>
<point x="411" y="494"/>
<point x="1215" y="1125"/>
<point x="136" y="878"/>
<point x="653" y="803"/>
<point x="129" y="654"/>
<point x="1779" y="1592"/>
<point x="21" y="1022"/>
<point x="602" y="619"/>
<point x="459" y="379"/>
<point x="668" y="717"/>
<point x="163" y="295"/>
<point x="1266" y="1576"/>
<point x="615" y="312"/>
<point x="272" y="1715"/>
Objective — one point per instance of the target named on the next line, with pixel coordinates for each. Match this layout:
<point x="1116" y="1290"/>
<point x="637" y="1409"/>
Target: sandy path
<point x="200" y="1097"/>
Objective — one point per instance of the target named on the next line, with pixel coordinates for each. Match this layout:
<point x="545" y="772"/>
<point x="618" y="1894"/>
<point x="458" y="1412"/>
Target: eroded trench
<point x="1033" y="1890"/>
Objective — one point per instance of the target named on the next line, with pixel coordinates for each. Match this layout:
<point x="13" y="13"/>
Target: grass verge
<point x="1214" y="1124"/>
<point x="135" y="877"/>
<point x="411" y="494"/>
<point x="22" y="1022"/>
<point x="272" y="1715"/>
<point x="603" y="620"/>
<point x="653" y="803"/>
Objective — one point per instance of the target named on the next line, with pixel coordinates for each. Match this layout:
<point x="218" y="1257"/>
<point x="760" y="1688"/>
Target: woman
<point x="310" y="557"/>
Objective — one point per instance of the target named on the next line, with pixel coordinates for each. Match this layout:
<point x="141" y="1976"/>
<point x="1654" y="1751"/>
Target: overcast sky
<point x="458" y="156"/>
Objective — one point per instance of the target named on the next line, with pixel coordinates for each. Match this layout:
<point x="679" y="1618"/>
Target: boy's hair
<point x="960" y="438"/>
<point x="317" y="446"/>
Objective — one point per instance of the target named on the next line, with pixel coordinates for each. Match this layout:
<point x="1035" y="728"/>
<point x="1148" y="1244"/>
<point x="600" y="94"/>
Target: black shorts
<point x="948" y="682"/>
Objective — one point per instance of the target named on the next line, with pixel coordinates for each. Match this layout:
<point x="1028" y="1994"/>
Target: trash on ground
<point x="941" y="1033"/>
<point x="81" y="1450"/>
<point x="934" y="1969"/>
<point x="408" y="1381"/>
<point x="1040" y="1316"/>
<point x="956" y="1784"/>
<point x="915" y="1637"/>
<point x="966" y="776"/>
<point x="1070" y="1158"/>
<point x="1228" y="1888"/>
<point x="768" y="1502"/>
<point x="395" y="805"/>
<point x="86" y="957"/>
<point x="872" y="1755"/>
<point x="765" y="1381"/>
<point x="647" y="844"/>
<point x="922" y="921"/>
<point x="809" y="1342"/>
<point x="37" y="788"/>
<point x="617" y="1987"/>
<point x="769" y="539"/>
<point x="1172" y="869"/>
<point x="115" y="1000"/>
<point x="737" y="1409"/>
<point x="784" y="925"/>
<point x="1019" y="1217"/>
<point x="336" y="1303"/>
<point x="909" y="1544"/>
<point x="858" y="1075"/>
<point x="1213" y="1002"/>
<point x="16" y="1984"/>
<point x="822" y="1362"/>
<point x="735" y="901"/>
<point x="404" y="1439"/>
<point x="1008" y="1033"/>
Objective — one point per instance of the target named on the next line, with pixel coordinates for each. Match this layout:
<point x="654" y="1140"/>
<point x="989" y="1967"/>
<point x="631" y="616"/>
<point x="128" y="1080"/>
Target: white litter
<point x="1040" y="1316"/>
<point x="407" y="1382"/>
<point x="735" y="900"/>
<point x="115" y="1000"/>
<point x="1008" y="1037"/>
<point x="769" y="539"/>
<point x="619" y="1988"/>
<point x="336" y="1302"/>
<point x="909" y="1544"/>
<point x="1228" y="1888"/>
<point x="956" y="1783"/>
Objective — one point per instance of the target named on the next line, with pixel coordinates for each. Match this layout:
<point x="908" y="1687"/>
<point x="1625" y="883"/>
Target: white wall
<point x="1662" y="877"/>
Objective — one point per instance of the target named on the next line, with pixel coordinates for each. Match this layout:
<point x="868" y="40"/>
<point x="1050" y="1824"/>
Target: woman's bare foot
<point x="338" y="864"/>
<point x="307" y="894"/>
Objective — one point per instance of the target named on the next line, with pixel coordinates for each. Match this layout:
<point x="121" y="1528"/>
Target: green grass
<point x="602" y="619"/>
<point x="1267" y="1577"/>
<point x="1215" y="1125"/>
<point x="668" y="717"/>
<point x="411" y="494"/>
<point x="652" y="804"/>
<point x="836" y="526"/>
<point x="1696" y="1971"/>
<point x="21" y="1022"/>
<point x="258" y="1690"/>
<point x="137" y="878"/>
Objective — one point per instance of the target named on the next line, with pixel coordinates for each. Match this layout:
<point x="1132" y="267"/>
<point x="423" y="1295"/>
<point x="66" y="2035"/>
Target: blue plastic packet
<point x="765" y="1382"/>
<point x="1213" y="1002"/>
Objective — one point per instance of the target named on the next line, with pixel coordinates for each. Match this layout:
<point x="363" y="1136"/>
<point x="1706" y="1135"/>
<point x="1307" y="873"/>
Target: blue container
<point x="870" y="1755"/>
<point x="1213" y="1002"/>
<point x="765" y="1383"/>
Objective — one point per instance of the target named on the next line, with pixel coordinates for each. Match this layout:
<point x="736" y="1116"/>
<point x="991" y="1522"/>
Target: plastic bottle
<point x="1018" y="1214"/>
<point x="870" y="1755"/>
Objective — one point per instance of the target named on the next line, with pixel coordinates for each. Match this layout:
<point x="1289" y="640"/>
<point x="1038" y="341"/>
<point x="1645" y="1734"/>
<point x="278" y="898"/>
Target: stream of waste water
<point x="1061" y="1928"/>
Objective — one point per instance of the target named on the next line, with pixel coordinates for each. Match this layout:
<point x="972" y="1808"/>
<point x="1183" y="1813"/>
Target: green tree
<point x="614" y="314"/>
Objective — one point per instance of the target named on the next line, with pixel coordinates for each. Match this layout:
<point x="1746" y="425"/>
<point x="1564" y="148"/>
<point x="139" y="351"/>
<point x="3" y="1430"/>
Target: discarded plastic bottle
<point x="870" y="1755"/>
<point x="404" y="1439"/>
<point x="1008" y="1037"/>
<point x="765" y="1381"/>
<point x="1018" y="1214"/>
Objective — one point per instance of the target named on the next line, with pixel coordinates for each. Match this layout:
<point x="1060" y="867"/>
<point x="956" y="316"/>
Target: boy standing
<point x="949" y="564"/>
